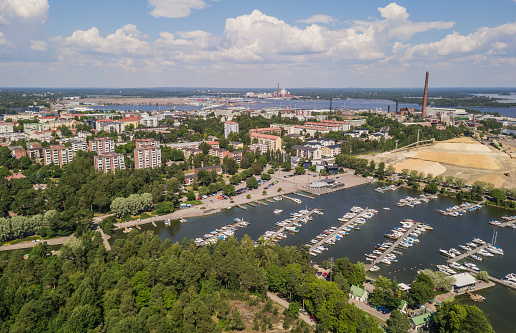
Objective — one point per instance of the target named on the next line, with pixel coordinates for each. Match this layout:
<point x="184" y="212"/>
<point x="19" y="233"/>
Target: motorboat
<point x="374" y="268"/>
<point x="278" y="211"/>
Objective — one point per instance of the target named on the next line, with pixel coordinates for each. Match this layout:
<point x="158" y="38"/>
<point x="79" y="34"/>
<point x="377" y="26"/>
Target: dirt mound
<point x="478" y="161"/>
<point x="496" y="180"/>
<point x="420" y="165"/>
<point x="474" y="147"/>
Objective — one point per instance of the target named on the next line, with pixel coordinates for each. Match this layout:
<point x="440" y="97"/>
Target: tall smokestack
<point x="397" y="106"/>
<point x="388" y="108"/>
<point x="425" y="97"/>
<point x="331" y="99"/>
<point x="278" y="89"/>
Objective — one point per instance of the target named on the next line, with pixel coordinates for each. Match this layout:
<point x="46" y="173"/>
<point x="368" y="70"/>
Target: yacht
<point x="374" y="268"/>
<point x="277" y="211"/>
<point x="474" y="256"/>
<point x="478" y="241"/>
<point x="510" y="277"/>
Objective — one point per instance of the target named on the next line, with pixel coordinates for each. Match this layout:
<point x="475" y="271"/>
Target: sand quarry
<point x="461" y="157"/>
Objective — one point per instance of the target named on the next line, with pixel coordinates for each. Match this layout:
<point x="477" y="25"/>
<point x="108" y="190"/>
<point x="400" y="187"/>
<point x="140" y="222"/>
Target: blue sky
<point x="243" y="43"/>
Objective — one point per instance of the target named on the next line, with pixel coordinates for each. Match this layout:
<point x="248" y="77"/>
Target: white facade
<point x="230" y="126"/>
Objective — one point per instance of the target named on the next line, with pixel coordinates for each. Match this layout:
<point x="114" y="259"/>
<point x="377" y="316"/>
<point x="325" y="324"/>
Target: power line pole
<point x="330" y="259"/>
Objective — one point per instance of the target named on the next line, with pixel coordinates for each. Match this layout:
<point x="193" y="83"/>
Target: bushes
<point x="164" y="208"/>
<point x="134" y="204"/>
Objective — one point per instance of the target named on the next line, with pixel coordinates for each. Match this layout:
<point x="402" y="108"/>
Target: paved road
<point x="27" y="245"/>
<point x="285" y="304"/>
<point x="372" y="311"/>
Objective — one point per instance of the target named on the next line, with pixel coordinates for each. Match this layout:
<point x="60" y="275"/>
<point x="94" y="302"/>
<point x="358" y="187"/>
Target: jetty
<point x="261" y="202"/>
<point x="393" y="246"/>
<point x="251" y="204"/>
<point x="303" y="195"/>
<point x="467" y="254"/>
<point x="411" y="201"/>
<point x="456" y="211"/>
<point x="221" y="233"/>
<point x="154" y="223"/>
<point x="274" y="233"/>
<point x="270" y="200"/>
<point x="342" y="226"/>
<point x="293" y="199"/>
<point x="243" y="207"/>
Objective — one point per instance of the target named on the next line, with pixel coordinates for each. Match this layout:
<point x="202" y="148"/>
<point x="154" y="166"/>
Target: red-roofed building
<point x="272" y="142"/>
<point x="47" y="119"/>
<point x="213" y="144"/>
<point x="15" y="176"/>
<point x="275" y="130"/>
<point x="135" y="121"/>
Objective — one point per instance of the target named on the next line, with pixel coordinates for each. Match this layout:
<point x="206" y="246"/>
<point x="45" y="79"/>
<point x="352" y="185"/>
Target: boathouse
<point x="463" y="282"/>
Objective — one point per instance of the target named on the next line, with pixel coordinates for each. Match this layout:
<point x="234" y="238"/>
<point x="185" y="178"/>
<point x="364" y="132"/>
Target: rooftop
<point x="423" y="319"/>
<point x="463" y="279"/>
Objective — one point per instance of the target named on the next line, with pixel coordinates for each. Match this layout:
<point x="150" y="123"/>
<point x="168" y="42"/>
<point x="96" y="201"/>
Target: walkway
<point x="285" y="304"/>
<point x="467" y="254"/>
<point x="340" y="228"/>
<point x="393" y="246"/>
<point x="28" y="245"/>
<point x="369" y="309"/>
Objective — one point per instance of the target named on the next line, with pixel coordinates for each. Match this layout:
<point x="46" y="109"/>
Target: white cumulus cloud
<point x="38" y="45"/>
<point x="319" y="18"/>
<point x="174" y="8"/>
<point x="24" y="9"/>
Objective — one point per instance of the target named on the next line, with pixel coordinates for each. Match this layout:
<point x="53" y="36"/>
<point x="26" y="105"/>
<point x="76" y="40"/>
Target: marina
<point x="511" y="224"/>
<point x="459" y="210"/>
<point x="303" y="195"/>
<point x="243" y="207"/>
<point x="291" y="224"/>
<point x="296" y="200"/>
<point x="414" y="201"/>
<point x="222" y="233"/>
<point x="383" y="257"/>
<point x="425" y="255"/>
<point x="357" y="215"/>
<point x="382" y="189"/>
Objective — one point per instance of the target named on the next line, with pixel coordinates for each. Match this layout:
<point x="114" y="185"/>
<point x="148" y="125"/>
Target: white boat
<point x="478" y="241"/>
<point x="277" y="211"/>
<point x="386" y="208"/>
<point x="374" y="268"/>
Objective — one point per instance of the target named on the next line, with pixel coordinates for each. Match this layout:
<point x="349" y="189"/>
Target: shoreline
<point x="289" y="186"/>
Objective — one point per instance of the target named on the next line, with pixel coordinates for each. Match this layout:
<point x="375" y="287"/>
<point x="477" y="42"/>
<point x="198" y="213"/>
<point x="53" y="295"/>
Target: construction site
<point x="462" y="157"/>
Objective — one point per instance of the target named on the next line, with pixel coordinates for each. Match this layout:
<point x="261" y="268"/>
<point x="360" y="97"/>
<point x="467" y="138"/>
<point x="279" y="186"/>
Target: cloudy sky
<point x="245" y="43"/>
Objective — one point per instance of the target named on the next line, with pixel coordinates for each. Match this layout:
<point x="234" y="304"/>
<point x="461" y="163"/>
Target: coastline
<point x="212" y="205"/>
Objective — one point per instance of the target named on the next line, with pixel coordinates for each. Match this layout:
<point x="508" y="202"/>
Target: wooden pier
<point x="462" y="209"/>
<point x="270" y="200"/>
<point x="224" y="229"/>
<point x="290" y="224"/>
<point x="251" y="204"/>
<point x="505" y="224"/>
<point x="154" y="223"/>
<point x="303" y="195"/>
<point x="243" y="207"/>
<point x="467" y="254"/>
<point x="340" y="228"/>
<point x="260" y="202"/>
<point x="393" y="246"/>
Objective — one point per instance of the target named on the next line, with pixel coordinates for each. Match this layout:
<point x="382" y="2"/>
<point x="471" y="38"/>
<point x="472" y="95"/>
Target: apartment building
<point x="265" y="130"/>
<point x="6" y="127"/>
<point x="272" y="142"/>
<point x="308" y="152"/>
<point x="230" y="126"/>
<point x="102" y="145"/>
<point x="147" y="154"/>
<point x="57" y="155"/>
<point x="109" y="162"/>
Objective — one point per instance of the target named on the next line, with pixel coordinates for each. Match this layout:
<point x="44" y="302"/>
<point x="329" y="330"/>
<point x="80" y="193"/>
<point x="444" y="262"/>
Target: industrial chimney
<point x="425" y="97"/>
<point x="397" y="110"/>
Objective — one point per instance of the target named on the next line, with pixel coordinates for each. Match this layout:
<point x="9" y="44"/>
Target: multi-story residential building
<point x="272" y="142"/>
<point x="6" y="127"/>
<point x="331" y="151"/>
<point x="191" y="152"/>
<point x="34" y="149"/>
<point x="302" y="129"/>
<point x="308" y="152"/>
<point x="78" y="145"/>
<point x="102" y="145"/>
<point x="265" y="130"/>
<point x="57" y="155"/>
<point x="35" y="127"/>
<point x="219" y="152"/>
<point x="135" y="121"/>
<point x="24" y="116"/>
<point x="149" y="121"/>
<point x="109" y="162"/>
<point x="18" y="151"/>
<point x="143" y="143"/>
<point x="147" y="154"/>
<point x="344" y="125"/>
<point x="109" y="126"/>
<point x="230" y="126"/>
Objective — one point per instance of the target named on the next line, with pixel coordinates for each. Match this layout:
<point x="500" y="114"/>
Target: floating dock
<point x="340" y="228"/>
<point x="290" y="224"/>
<point x="251" y="204"/>
<point x="243" y="207"/>
<point x="303" y="195"/>
<point x="460" y="210"/>
<point x="260" y="202"/>
<point x="467" y="254"/>
<point x="393" y="246"/>
<point x="217" y="235"/>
